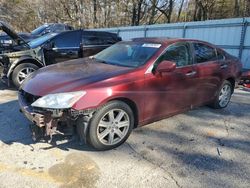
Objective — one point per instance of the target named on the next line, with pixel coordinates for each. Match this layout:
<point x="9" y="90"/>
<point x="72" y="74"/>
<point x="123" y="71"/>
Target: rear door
<point x="209" y="72"/>
<point x="65" y="46"/>
<point x="94" y="42"/>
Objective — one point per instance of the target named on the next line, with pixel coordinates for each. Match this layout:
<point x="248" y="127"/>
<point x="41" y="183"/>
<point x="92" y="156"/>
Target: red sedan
<point x="127" y="85"/>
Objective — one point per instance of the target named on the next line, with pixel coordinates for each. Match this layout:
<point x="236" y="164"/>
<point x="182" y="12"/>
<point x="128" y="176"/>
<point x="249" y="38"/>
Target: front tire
<point x="224" y="95"/>
<point x="110" y="126"/>
<point x="21" y="72"/>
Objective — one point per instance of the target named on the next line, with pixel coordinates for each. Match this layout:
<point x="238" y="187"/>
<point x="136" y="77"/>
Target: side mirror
<point x="49" y="46"/>
<point x="47" y="30"/>
<point x="166" y="66"/>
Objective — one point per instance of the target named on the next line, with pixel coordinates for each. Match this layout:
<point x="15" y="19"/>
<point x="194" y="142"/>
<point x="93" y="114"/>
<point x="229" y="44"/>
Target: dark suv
<point x="52" y="48"/>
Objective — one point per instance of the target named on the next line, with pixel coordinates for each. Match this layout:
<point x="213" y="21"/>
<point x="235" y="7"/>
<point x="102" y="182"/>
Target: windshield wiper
<point x="98" y="60"/>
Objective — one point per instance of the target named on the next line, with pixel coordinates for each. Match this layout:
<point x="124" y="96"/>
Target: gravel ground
<point x="200" y="148"/>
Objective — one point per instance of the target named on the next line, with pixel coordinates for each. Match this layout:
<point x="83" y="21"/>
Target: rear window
<point x="92" y="40"/>
<point x="98" y="40"/>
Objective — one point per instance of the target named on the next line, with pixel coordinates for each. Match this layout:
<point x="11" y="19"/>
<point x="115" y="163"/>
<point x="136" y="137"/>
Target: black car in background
<point x="50" y="49"/>
<point x="7" y="42"/>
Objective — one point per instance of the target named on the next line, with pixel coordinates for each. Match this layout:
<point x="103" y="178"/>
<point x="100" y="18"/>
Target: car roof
<point x="94" y="32"/>
<point x="167" y="40"/>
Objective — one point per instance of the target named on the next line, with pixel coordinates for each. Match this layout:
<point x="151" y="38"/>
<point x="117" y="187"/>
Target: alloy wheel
<point x="225" y="95"/>
<point x="113" y="127"/>
<point x="23" y="73"/>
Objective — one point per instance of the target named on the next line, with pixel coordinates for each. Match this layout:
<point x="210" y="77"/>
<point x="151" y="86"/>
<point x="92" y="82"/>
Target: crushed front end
<point x="4" y="67"/>
<point x="47" y="122"/>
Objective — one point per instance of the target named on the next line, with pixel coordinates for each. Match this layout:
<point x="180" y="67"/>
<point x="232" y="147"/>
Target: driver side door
<point x="170" y="92"/>
<point x="65" y="46"/>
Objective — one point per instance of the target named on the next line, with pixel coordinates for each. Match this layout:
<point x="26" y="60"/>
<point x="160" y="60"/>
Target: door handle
<point x="223" y="66"/>
<point x="191" y="73"/>
<point x="67" y="53"/>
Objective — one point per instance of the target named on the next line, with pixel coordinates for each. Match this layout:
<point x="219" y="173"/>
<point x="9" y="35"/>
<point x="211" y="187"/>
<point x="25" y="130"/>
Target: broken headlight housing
<point x="58" y="100"/>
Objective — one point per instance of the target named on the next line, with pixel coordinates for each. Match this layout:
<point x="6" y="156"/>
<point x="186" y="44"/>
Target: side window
<point x="92" y="40"/>
<point x="178" y="53"/>
<point x="204" y="53"/>
<point x="109" y="40"/>
<point x="67" y="39"/>
<point x="58" y="28"/>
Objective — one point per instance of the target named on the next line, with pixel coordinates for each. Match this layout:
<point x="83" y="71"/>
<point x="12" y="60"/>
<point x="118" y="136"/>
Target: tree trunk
<point x="138" y="17"/>
<point x="247" y="8"/>
<point x="95" y="12"/>
<point x="170" y="10"/>
<point x="180" y="10"/>
<point x="153" y="12"/>
<point x="133" y="15"/>
<point x="236" y="8"/>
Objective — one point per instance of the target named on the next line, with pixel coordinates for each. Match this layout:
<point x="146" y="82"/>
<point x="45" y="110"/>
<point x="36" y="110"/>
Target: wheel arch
<point x="25" y="59"/>
<point x="132" y="105"/>
<point x="232" y="81"/>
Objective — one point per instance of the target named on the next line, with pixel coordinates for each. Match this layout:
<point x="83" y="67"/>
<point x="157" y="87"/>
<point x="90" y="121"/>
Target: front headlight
<point x="58" y="100"/>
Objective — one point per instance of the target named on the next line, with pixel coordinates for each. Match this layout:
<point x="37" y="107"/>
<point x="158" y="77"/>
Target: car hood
<point x="11" y="33"/>
<point x="70" y="76"/>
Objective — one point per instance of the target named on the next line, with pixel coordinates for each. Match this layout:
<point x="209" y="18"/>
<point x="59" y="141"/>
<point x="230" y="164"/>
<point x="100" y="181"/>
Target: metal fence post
<point x="242" y="37"/>
<point x="184" y="31"/>
<point x="145" y="31"/>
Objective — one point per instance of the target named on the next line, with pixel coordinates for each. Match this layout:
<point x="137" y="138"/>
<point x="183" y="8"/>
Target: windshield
<point x="39" y="30"/>
<point x="128" y="54"/>
<point x="41" y="40"/>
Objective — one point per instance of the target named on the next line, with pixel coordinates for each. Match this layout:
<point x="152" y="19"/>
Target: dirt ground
<point x="200" y="148"/>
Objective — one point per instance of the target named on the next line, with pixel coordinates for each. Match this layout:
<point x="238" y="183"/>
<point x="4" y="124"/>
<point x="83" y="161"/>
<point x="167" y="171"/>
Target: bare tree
<point x="236" y="8"/>
<point x="180" y="10"/>
<point x="165" y="7"/>
<point x="25" y="15"/>
<point x="247" y="8"/>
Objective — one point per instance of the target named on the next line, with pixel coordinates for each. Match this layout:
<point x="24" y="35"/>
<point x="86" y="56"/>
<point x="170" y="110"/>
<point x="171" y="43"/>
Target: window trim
<point x="152" y="66"/>
<point x="174" y="44"/>
<point x="63" y="33"/>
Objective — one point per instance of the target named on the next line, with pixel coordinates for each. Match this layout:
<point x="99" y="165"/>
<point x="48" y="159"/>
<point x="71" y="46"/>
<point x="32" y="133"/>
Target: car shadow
<point x="6" y="87"/>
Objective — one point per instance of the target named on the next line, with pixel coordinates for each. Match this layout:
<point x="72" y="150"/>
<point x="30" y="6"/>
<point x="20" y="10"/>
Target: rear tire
<point x="21" y="72"/>
<point x="110" y="126"/>
<point x="224" y="95"/>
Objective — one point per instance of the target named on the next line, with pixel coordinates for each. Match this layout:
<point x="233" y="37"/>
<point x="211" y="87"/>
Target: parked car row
<point x="24" y="58"/>
<point x="130" y="84"/>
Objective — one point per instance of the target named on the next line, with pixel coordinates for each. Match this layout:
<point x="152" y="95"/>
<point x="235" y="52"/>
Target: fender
<point x="23" y="58"/>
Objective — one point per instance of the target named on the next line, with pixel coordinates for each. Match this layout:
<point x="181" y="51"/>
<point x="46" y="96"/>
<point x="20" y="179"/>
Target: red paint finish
<point x="155" y="95"/>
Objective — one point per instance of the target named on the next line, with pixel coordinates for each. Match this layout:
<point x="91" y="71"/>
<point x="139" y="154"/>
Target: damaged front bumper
<point x="4" y="68"/>
<point x="49" y="122"/>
